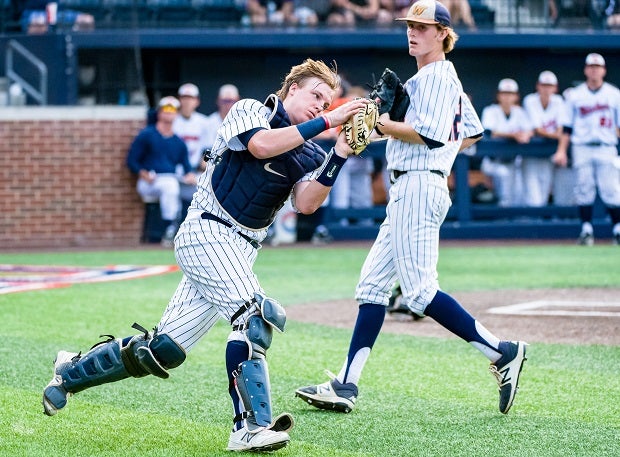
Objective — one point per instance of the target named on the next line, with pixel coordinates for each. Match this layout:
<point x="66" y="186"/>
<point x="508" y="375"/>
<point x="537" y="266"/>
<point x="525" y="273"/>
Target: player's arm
<point x="266" y="143"/>
<point x="309" y="194"/>
<point x="560" y="158"/>
<point x="399" y="130"/>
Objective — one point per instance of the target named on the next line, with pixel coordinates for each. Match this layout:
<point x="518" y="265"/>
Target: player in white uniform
<point x="439" y="122"/>
<point x="591" y="127"/>
<point x="193" y="128"/>
<point x="261" y="155"/>
<point x="544" y="107"/>
<point x="506" y="119"/>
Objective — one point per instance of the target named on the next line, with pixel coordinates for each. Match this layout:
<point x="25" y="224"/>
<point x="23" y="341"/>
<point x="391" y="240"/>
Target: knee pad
<point x="145" y="355"/>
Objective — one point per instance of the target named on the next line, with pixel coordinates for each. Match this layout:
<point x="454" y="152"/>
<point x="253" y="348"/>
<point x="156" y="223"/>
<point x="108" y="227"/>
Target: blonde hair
<point x="310" y="69"/>
<point x="450" y="40"/>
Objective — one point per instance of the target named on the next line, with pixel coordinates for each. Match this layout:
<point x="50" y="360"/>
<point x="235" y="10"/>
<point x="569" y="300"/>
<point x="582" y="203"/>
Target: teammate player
<point x="262" y="154"/>
<point x="544" y="108"/>
<point x="420" y="152"/>
<point x="592" y="127"/>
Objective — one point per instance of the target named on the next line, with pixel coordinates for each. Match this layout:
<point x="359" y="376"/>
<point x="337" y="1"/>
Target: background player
<point x="261" y="155"/>
<point x="420" y="153"/>
<point x="592" y="126"/>
<point x="544" y="108"/>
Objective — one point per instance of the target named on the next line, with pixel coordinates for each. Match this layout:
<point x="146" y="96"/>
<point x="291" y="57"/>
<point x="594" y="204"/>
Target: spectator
<point x="358" y="12"/>
<point x="153" y="157"/>
<point x="312" y="12"/>
<point x="508" y="120"/>
<point x="193" y="128"/>
<point x="591" y="127"/>
<point x="612" y="13"/>
<point x="38" y="15"/>
<point x="271" y="12"/>
<point x="544" y="108"/>
<point x="460" y="11"/>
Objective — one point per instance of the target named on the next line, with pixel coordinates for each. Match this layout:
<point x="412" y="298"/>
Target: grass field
<point x="418" y="396"/>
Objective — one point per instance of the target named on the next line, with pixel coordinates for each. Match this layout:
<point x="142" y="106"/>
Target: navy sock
<point x="236" y="352"/>
<point x="367" y="327"/>
<point x="451" y="315"/>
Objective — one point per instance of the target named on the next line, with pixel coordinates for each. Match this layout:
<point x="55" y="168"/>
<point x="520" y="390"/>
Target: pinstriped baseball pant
<point x="407" y="246"/>
<point x="217" y="279"/>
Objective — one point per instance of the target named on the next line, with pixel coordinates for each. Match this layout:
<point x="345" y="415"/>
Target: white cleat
<point x="54" y="395"/>
<point x="261" y="439"/>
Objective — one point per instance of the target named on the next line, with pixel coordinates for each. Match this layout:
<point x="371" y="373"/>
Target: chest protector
<point x="252" y="190"/>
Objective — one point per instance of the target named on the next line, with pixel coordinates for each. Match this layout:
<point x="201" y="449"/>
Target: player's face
<point x="595" y="73"/>
<point x="307" y="100"/>
<point x="188" y="105"/>
<point x="424" y="39"/>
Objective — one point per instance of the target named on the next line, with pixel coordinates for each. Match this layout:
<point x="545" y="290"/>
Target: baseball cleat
<point x="586" y="239"/>
<point x="507" y="371"/>
<point x="55" y="396"/>
<point x="330" y="395"/>
<point x="261" y="440"/>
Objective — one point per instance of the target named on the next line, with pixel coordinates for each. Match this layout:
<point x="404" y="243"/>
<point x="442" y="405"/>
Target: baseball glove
<point x="391" y="95"/>
<point x="358" y="128"/>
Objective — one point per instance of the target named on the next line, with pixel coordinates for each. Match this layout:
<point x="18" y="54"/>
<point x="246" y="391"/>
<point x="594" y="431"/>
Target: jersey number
<point x="456" y="123"/>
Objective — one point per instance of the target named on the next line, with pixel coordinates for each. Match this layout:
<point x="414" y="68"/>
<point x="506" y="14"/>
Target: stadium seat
<point x="128" y="13"/>
<point x="219" y="12"/>
<point x="172" y="12"/>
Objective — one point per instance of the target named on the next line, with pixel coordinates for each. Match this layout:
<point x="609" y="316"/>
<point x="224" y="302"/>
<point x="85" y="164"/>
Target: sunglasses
<point x="168" y="109"/>
<point x="228" y="101"/>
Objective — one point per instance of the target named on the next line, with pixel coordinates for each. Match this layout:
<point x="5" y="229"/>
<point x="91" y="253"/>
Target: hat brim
<point x="416" y="19"/>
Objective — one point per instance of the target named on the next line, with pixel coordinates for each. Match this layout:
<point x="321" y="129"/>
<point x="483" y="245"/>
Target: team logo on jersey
<point x="271" y="170"/>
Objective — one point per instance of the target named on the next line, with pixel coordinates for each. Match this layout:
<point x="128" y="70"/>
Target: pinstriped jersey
<point x="250" y="206"/>
<point x="593" y="115"/>
<point x="438" y="110"/>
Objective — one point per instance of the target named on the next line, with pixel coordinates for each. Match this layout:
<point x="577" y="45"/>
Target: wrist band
<point x="377" y="129"/>
<point x="313" y="127"/>
<point x="327" y="124"/>
<point x="330" y="171"/>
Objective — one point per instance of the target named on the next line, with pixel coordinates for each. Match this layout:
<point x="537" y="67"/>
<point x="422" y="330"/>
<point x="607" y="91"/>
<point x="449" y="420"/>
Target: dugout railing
<point x="469" y="219"/>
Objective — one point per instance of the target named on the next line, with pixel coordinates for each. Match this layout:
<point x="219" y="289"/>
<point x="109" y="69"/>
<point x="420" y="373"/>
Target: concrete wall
<point x="63" y="180"/>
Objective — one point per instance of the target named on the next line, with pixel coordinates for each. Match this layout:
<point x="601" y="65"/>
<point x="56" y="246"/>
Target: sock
<point x="367" y="327"/>
<point x="615" y="218"/>
<point x="452" y="316"/>
<point x="236" y="352"/>
<point x="585" y="214"/>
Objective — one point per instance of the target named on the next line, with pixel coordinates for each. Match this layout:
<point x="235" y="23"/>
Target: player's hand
<point x="560" y="159"/>
<point x="342" y="147"/>
<point x="523" y="137"/>
<point x="340" y="115"/>
<point x="190" y="179"/>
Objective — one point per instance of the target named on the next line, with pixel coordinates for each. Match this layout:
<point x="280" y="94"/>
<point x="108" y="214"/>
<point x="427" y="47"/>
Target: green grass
<point x="418" y="396"/>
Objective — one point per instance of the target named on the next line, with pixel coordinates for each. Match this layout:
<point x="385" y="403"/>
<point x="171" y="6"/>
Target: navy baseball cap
<point x="427" y="12"/>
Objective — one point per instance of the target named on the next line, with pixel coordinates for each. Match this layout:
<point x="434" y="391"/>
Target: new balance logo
<point x="271" y="170"/>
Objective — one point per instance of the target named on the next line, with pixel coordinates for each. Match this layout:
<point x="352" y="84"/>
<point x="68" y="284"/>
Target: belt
<point x="398" y="173"/>
<point x="212" y="217"/>
<point x="597" y="143"/>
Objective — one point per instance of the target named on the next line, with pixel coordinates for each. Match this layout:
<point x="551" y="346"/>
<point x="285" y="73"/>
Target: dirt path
<point x="570" y="327"/>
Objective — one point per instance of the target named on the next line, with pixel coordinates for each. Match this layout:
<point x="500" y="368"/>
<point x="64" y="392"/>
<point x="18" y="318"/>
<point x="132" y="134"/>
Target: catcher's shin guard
<point x="100" y="365"/>
<point x="110" y="361"/>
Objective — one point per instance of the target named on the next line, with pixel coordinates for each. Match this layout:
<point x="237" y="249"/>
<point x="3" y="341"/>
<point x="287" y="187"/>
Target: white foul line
<point x="562" y="308"/>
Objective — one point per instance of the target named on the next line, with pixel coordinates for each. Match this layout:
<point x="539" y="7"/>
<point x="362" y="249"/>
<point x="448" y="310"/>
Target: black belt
<point x="597" y="143"/>
<point x="212" y="217"/>
<point x="398" y="173"/>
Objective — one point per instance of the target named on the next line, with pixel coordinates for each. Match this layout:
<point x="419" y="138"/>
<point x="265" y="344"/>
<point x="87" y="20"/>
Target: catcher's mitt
<point x="391" y="95"/>
<point x="358" y="128"/>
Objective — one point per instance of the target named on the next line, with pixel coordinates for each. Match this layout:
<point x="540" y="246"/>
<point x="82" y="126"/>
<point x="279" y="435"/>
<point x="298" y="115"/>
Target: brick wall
<point x="63" y="180"/>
